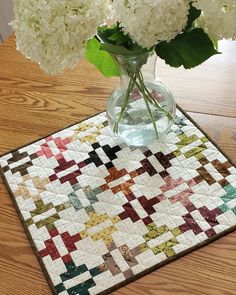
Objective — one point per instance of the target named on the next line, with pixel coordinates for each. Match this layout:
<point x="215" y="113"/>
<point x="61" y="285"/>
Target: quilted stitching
<point x="100" y="212"/>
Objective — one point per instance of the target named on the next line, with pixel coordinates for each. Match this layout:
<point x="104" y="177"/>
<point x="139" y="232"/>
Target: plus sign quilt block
<point x="100" y="213"/>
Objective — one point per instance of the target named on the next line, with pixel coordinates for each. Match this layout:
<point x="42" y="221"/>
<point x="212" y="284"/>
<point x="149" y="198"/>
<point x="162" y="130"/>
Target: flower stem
<point x="147" y="100"/>
<point x="125" y="103"/>
<point x="158" y="105"/>
<point x="136" y="79"/>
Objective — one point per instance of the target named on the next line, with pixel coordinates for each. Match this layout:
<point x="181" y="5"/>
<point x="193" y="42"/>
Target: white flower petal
<point x="53" y="32"/>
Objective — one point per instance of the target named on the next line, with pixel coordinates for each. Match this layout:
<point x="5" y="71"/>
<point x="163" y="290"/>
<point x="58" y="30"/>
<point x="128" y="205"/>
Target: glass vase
<point x="141" y="109"/>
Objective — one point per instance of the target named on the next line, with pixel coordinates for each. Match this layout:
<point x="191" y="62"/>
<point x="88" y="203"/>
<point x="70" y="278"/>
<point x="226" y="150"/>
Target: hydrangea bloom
<point x="218" y="18"/>
<point x="151" y="21"/>
<point x="52" y="32"/>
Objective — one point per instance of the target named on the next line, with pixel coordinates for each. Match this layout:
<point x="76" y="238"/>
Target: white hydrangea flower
<point x="53" y="32"/>
<point x="151" y="21"/>
<point x="218" y="18"/>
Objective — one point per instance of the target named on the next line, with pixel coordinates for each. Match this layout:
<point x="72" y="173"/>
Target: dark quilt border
<point x="147" y="271"/>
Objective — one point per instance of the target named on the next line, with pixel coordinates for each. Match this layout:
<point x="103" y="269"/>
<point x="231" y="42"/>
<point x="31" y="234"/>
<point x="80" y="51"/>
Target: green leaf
<point x="121" y="50"/>
<point x="115" y="49"/>
<point x="215" y="42"/>
<point x="194" y="13"/>
<point x="103" y="61"/>
<point x="189" y="49"/>
<point x="119" y="38"/>
<point x="105" y="33"/>
<point x="115" y="35"/>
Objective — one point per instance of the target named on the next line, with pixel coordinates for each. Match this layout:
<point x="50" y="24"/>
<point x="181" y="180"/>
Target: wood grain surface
<point x="33" y="105"/>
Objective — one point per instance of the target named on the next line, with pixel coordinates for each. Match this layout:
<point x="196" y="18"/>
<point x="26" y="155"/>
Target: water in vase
<point x="136" y="127"/>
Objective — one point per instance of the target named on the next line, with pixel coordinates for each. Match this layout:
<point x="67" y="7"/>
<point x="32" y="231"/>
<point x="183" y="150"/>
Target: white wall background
<point x="6" y="15"/>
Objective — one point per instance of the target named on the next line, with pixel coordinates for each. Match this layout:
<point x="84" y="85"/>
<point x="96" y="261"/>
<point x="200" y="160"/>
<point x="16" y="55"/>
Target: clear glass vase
<point x="141" y="109"/>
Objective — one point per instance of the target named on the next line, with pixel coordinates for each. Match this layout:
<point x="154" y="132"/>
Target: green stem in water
<point x="147" y="100"/>
<point x="138" y="81"/>
<point x="141" y="80"/>
<point x="151" y="115"/>
<point x="149" y="95"/>
<point x="125" y="103"/>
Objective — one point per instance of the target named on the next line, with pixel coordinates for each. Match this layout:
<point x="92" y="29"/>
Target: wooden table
<point x="33" y="105"/>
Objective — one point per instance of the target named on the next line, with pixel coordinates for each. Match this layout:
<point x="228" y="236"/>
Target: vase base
<point x="143" y="135"/>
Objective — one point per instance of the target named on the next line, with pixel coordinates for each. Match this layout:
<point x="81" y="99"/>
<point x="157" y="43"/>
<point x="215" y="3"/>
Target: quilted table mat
<point x="100" y="214"/>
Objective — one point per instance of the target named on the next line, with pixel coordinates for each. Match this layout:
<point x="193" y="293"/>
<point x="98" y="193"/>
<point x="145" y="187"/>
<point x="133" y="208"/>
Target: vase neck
<point x="132" y="65"/>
